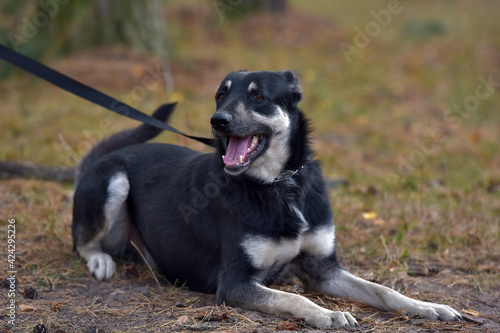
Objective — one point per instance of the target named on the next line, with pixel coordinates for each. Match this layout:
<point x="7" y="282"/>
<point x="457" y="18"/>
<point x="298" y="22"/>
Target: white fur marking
<point x="319" y="243"/>
<point x="304" y="226"/>
<point x="269" y="166"/>
<point x="228" y="84"/>
<point x="118" y="189"/>
<point x="101" y="265"/>
<point x="265" y="252"/>
<point x="285" y="304"/>
<point x="252" y="86"/>
<point x="345" y="284"/>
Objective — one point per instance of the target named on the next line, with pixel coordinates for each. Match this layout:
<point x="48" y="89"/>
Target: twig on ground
<point x="147" y="263"/>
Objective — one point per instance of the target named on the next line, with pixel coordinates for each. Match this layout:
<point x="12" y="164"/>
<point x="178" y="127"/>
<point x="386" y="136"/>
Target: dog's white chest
<point x="319" y="243"/>
<point x="265" y="252"/>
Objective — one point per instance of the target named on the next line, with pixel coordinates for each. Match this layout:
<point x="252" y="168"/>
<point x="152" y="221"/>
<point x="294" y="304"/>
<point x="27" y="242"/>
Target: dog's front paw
<point x="102" y="266"/>
<point x="435" y="311"/>
<point x="332" y="319"/>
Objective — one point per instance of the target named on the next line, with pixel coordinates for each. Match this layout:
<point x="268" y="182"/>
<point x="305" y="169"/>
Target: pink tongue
<point x="237" y="147"/>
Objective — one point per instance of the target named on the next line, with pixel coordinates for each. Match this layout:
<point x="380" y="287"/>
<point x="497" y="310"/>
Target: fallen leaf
<point x="370" y="215"/>
<point x="288" y="326"/>
<point x="177" y="97"/>
<point x="183" y="320"/>
<point x="475" y="137"/>
<point x="55" y="307"/>
<point x="26" y="307"/>
<point x="138" y="71"/>
<point x="193" y="300"/>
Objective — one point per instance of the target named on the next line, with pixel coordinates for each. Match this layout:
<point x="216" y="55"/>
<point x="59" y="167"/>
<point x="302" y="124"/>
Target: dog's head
<point x="253" y="120"/>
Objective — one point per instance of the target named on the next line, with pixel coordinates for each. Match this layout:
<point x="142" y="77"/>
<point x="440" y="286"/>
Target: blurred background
<point x="404" y="98"/>
<point x="390" y="86"/>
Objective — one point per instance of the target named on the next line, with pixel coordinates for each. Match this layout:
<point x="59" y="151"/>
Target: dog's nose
<point x="220" y="120"/>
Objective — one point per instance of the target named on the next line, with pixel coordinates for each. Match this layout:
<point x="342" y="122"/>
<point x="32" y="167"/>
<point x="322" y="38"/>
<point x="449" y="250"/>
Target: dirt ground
<point x="54" y="288"/>
<point x="129" y="304"/>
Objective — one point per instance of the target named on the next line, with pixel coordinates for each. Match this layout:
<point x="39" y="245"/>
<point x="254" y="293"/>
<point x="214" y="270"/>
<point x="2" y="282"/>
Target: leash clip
<point x="285" y="175"/>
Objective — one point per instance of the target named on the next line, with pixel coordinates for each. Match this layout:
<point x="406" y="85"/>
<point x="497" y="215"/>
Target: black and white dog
<point x="229" y="222"/>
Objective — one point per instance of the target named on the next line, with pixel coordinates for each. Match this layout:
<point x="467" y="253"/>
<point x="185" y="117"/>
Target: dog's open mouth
<point x="240" y="151"/>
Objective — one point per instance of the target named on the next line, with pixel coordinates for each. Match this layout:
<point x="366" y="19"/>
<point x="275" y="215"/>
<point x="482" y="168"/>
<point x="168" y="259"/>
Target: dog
<point x="231" y="222"/>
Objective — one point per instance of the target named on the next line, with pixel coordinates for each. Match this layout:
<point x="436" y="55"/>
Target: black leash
<point x="88" y="93"/>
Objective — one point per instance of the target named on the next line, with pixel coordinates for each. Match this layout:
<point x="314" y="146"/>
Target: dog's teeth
<point x="255" y="140"/>
<point x="223" y="156"/>
<point x="248" y="150"/>
<point x="241" y="159"/>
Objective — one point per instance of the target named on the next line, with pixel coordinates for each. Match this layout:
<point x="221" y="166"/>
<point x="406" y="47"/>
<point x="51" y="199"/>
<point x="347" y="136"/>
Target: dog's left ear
<point x="293" y="84"/>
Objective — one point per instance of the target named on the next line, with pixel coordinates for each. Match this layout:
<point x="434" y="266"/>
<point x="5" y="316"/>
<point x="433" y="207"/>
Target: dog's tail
<point x="123" y="139"/>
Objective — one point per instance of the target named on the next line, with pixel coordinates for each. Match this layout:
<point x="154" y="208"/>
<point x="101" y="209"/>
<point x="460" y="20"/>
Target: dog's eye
<point x="258" y="97"/>
<point x="221" y="97"/>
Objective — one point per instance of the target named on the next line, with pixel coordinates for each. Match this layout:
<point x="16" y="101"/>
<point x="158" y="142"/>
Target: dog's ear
<point x="293" y="84"/>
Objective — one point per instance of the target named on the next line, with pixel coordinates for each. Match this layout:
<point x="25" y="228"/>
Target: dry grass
<point x="66" y="299"/>
<point x="432" y="234"/>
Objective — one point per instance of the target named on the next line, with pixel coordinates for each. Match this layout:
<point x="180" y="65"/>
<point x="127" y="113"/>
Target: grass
<point x="420" y="211"/>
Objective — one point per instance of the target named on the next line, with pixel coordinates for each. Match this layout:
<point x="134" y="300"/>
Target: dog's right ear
<point x="293" y="84"/>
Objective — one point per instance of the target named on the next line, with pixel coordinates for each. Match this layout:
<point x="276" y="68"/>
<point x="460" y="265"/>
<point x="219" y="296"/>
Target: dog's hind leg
<point x="100" y="223"/>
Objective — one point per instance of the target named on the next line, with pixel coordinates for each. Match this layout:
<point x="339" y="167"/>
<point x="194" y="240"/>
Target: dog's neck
<point x="301" y="153"/>
<point x="300" y="143"/>
<point x="288" y="174"/>
<point x="298" y="153"/>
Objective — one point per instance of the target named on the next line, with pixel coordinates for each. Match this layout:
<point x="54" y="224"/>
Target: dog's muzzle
<point x="240" y="149"/>
<point x="220" y="120"/>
